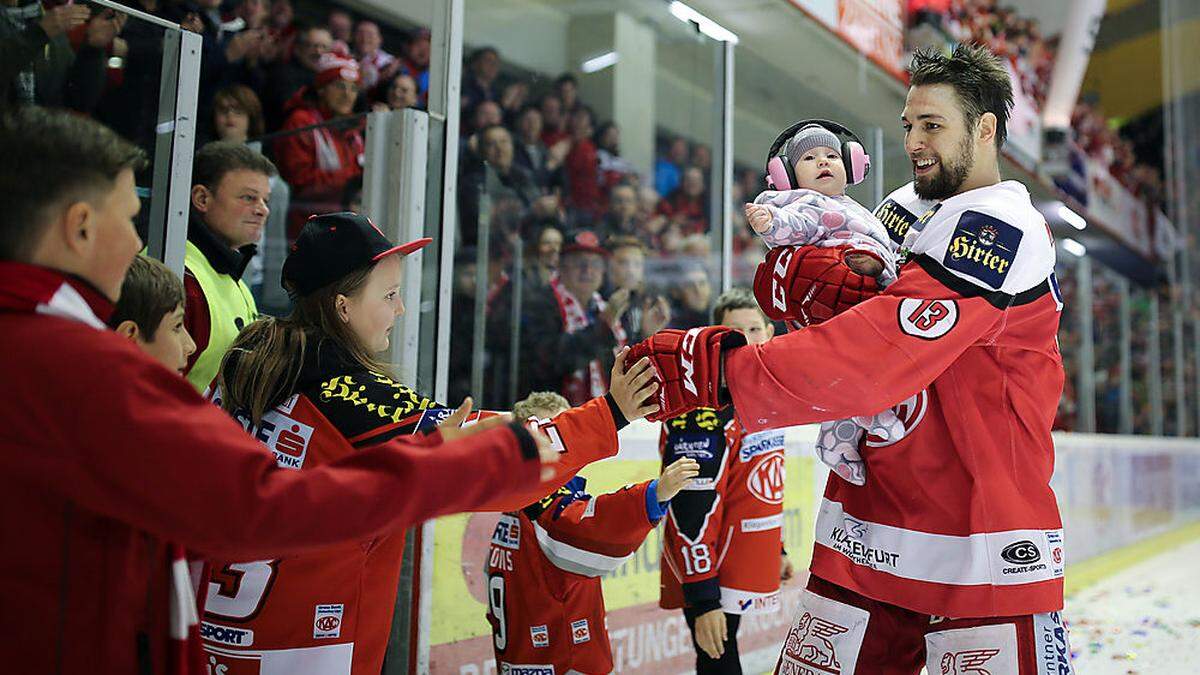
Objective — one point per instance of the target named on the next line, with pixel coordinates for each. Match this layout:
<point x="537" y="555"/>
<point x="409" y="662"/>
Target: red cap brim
<point x="404" y="249"/>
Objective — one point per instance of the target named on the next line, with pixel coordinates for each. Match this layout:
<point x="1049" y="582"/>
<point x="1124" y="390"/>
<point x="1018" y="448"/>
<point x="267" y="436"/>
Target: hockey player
<point x="310" y="389"/>
<point x="952" y="552"/>
<point x="721" y="556"/>
<point x="545" y="603"/>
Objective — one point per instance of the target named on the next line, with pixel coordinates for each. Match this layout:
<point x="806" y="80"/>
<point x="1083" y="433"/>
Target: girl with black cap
<point x="312" y="388"/>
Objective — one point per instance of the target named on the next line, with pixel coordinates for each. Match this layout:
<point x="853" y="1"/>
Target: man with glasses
<point x="573" y="332"/>
<point x="290" y="76"/>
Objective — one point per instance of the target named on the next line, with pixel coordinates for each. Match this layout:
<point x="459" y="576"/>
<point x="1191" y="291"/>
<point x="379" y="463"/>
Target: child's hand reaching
<point x="676" y="477"/>
<point x="759" y="217"/>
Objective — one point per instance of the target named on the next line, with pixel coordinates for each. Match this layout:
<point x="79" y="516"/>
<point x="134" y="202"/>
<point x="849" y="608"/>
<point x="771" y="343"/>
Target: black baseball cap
<point x="332" y="245"/>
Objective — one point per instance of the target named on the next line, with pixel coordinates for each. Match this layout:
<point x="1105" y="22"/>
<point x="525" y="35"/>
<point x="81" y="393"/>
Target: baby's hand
<point x="864" y="264"/>
<point x="759" y="217"/>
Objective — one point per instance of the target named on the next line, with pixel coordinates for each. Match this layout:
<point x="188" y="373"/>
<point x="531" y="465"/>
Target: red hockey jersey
<point x="330" y="611"/>
<point x="722" y="539"/>
<point x="545" y="603"/>
<point x="957" y="518"/>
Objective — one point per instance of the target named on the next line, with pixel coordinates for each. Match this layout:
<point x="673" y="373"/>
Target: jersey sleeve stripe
<point x="576" y="560"/>
<point x="386" y="432"/>
<point x="998" y="299"/>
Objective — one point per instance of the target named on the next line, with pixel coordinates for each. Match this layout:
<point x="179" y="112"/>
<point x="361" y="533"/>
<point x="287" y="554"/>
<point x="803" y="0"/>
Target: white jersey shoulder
<point x="992" y="237"/>
<point x="900" y="210"/>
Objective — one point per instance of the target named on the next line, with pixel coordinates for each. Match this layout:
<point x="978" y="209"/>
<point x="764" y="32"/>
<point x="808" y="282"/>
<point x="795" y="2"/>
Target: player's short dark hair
<point x="218" y="158"/>
<point x="53" y="158"/>
<point x="977" y="76"/>
<point x="735" y="298"/>
<point x="150" y="292"/>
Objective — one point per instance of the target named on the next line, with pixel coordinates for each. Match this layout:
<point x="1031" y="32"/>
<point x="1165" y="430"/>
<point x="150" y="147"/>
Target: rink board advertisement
<point x="1112" y="490"/>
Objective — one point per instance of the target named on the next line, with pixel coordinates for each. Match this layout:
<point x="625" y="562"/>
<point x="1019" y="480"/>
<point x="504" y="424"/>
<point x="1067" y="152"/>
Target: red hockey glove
<point x="687" y="365"/>
<point x="809" y="284"/>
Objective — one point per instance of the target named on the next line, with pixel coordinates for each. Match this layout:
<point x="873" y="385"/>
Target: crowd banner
<point x="1113" y="491"/>
<point x="1123" y="214"/>
<point x="873" y="27"/>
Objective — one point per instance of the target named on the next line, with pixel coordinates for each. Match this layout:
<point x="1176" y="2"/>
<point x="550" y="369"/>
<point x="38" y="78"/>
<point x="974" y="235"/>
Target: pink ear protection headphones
<point x="781" y="175"/>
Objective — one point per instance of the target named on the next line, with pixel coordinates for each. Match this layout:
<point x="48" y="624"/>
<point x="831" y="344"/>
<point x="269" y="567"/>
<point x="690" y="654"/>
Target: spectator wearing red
<point x="554" y="122"/>
<point x="583" y="167"/>
<point x="572" y="331"/>
<point x="614" y="168"/>
<point x="319" y="162"/>
<point x="282" y="27"/>
<point x="687" y="206"/>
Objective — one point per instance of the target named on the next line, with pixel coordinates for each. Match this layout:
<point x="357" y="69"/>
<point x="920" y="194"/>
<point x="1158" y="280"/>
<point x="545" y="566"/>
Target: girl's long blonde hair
<point x="262" y="367"/>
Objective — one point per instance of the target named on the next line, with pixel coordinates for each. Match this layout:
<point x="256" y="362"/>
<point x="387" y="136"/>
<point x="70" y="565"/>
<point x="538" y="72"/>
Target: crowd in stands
<point x="1020" y="40"/>
<point x="608" y="252"/>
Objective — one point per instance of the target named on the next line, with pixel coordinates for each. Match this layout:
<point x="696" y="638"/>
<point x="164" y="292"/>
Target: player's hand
<point x="759" y="217"/>
<point x="59" y="20"/>
<point x="687" y="365"/>
<point x="809" y="284"/>
<point x="676" y="477"/>
<point x="710" y="633"/>
<point x="633" y="388"/>
<point x="451" y="429"/>
<point x="786" y="570"/>
<point x="546" y="453"/>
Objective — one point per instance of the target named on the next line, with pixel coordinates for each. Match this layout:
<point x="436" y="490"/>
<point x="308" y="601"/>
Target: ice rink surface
<point x="1144" y="620"/>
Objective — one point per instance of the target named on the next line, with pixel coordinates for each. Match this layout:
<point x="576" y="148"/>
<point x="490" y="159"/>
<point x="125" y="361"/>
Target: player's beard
<point x="949" y="176"/>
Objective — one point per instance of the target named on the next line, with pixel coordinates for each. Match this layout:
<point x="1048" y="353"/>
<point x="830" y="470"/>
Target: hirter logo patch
<point x="983" y="247"/>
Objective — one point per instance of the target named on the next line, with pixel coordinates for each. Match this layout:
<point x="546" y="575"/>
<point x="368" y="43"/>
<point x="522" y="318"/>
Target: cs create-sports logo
<point x="1022" y="552"/>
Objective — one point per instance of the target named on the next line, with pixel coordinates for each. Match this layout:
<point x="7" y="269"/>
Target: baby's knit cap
<point x="812" y="136"/>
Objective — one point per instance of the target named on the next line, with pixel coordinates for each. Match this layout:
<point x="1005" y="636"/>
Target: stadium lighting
<point x="1073" y="219"/>
<point x="598" y="63"/>
<point x="1073" y="247"/>
<point x="706" y="25"/>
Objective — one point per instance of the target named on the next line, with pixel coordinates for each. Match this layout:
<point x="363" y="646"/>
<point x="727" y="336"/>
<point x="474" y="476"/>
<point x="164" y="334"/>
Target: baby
<point x="815" y="211"/>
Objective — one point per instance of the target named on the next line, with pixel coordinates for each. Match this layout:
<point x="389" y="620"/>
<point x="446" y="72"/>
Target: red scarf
<point x="40" y="290"/>
<point x="586" y="383"/>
